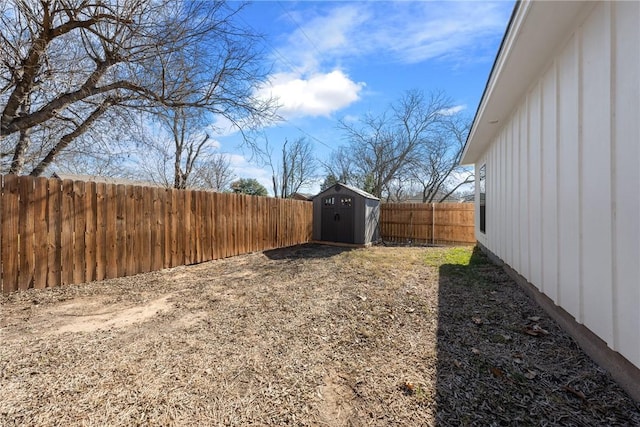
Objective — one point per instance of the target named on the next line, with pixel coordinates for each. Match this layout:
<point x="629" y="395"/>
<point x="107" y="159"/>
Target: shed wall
<point x="372" y="220"/>
<point x="366" y="215"/>
<point x="563" y="178"/>
<point x="360" y="213"/>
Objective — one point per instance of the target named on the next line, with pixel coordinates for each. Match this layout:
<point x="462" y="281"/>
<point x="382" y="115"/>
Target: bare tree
<point x="179" y="154"/>
<point x="296" y="168"/>
<point x="398" y="190"/>
<point x="381" y="147"/>
<point x="108" y="162"/>
<point x="339" y="168"/>
<point x="155" y="163"/>
<point x="188" y="143"/>
<point x="433" y="169"/>
<point x="215" y="172"/>
<point x="64" y="64"/>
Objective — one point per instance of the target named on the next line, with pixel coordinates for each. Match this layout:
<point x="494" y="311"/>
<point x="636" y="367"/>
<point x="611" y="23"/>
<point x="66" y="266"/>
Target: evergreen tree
<point x="249" y="186"/>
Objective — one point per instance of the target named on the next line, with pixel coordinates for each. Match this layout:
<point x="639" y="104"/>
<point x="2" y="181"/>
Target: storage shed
<point x="345" y="214"/>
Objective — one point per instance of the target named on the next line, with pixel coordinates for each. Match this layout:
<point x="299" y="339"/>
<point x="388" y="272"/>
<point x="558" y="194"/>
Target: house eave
<point x="534" y="34"/>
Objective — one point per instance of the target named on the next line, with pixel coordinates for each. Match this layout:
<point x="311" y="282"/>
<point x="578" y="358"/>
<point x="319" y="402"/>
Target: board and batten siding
<point x="563" y="178"/>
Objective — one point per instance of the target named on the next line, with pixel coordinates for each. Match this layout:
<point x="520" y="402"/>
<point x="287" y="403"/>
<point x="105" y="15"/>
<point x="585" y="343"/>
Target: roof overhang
<point x="339" y="186"/>
<point x="536" y="31"/>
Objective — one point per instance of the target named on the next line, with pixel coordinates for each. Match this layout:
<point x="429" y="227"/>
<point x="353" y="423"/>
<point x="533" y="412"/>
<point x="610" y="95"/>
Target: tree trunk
<point x="68" y="138"/>
<point x="20" y="152"/>
<point x="24" y="141"/>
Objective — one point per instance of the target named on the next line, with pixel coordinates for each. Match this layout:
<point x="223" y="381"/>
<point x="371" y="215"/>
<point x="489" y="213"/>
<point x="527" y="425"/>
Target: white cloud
<point x="306" y="84"/>
<point x="323" y="36"/>
<point x="444" y="30"/>
<point x="213" y="143"/>
<point x="453" y="110"/>
<point x="350" y="118"/>
<point x="320" y="94"/>
<point x="400" y="32"/>
<point x="309" y="80"/>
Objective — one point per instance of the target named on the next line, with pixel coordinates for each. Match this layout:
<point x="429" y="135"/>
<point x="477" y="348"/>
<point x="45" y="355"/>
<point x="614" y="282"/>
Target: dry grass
<point x="308" y="335"/>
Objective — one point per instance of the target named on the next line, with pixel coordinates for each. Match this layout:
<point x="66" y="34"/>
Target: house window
<point x="482" y="181"/>
<point x="329" y="201"/>
<point x="346" y="201"/>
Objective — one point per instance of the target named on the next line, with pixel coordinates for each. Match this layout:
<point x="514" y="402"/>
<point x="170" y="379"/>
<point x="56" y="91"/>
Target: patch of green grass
<point x="455" y="255"/>
<point x="386" y="257"/>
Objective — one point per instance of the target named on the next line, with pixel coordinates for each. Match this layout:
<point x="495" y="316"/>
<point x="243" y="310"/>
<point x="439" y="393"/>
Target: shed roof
<point x="302" y="196"/>
<point x="348" y="187"/>
<point x="535" y="32"/>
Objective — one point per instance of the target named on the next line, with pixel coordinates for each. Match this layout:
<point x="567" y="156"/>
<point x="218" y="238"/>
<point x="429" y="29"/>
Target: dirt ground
<point x="308" y="335"/>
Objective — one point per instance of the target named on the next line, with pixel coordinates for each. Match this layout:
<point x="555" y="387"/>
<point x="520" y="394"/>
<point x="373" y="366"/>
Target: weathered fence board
<point x="40" y="231"/>
<point x="427" y="222"/>
<point x="101" y="231"/>
<point x="90" y="231"/>
<point x="55" y="232"/>
<point x="66" y="230"/>
<point x="79" y="219"/>
<point x="111" y="231"/>
<point x="10" y="211"/>
<point x="26" y="238"/>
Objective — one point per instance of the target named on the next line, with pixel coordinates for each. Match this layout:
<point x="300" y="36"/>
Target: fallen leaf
<point x="496" y="372"/>
<point x="534" y="318"/>
<point x="575" y="392"/>
<point x="475" y="350"/>
<point x="537" y="328"/>
<point x="506" y="337"/>
<point x="477" y="320"/>
<point x="518" y="360"/>
<point x="535" y="331"/>
<point x="407" y="388"/>
<point x="530" y="374"/>
<point x="410" y="310"/>
<point x="457" y="363"/>
<point x="362" y="297"/>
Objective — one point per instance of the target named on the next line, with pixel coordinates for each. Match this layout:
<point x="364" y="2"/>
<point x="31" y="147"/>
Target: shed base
<point x="344" y="245"/>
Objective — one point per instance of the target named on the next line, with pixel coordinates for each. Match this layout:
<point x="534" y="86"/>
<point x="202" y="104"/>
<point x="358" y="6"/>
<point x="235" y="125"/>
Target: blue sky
<point x="335" y="60"/>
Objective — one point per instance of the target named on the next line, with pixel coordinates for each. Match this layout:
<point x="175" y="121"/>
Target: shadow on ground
<point x="308" y="250"/>
<point x="503" y="361"/>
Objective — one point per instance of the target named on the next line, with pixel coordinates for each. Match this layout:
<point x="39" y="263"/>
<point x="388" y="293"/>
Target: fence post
<point x="433" y="223"/>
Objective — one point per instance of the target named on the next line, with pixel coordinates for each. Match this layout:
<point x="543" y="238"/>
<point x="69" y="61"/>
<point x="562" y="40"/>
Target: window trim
<point x="482" y="198"/>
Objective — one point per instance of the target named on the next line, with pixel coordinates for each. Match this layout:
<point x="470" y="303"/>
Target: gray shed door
<point x="337" y="219"/>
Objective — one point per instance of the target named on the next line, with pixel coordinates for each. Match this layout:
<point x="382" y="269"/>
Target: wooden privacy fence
<point x="434" y="223"/>
<point x="60" y="232"/>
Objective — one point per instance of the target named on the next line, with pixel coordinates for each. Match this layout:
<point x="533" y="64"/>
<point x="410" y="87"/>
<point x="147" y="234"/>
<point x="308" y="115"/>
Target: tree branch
<point x="68" y="138"/>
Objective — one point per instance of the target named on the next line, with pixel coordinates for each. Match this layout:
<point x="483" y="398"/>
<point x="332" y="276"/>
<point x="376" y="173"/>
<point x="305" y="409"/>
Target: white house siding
<point x="549" y="202"/>
<point x="563" y="178"/>
<point x="625" y="178"/>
